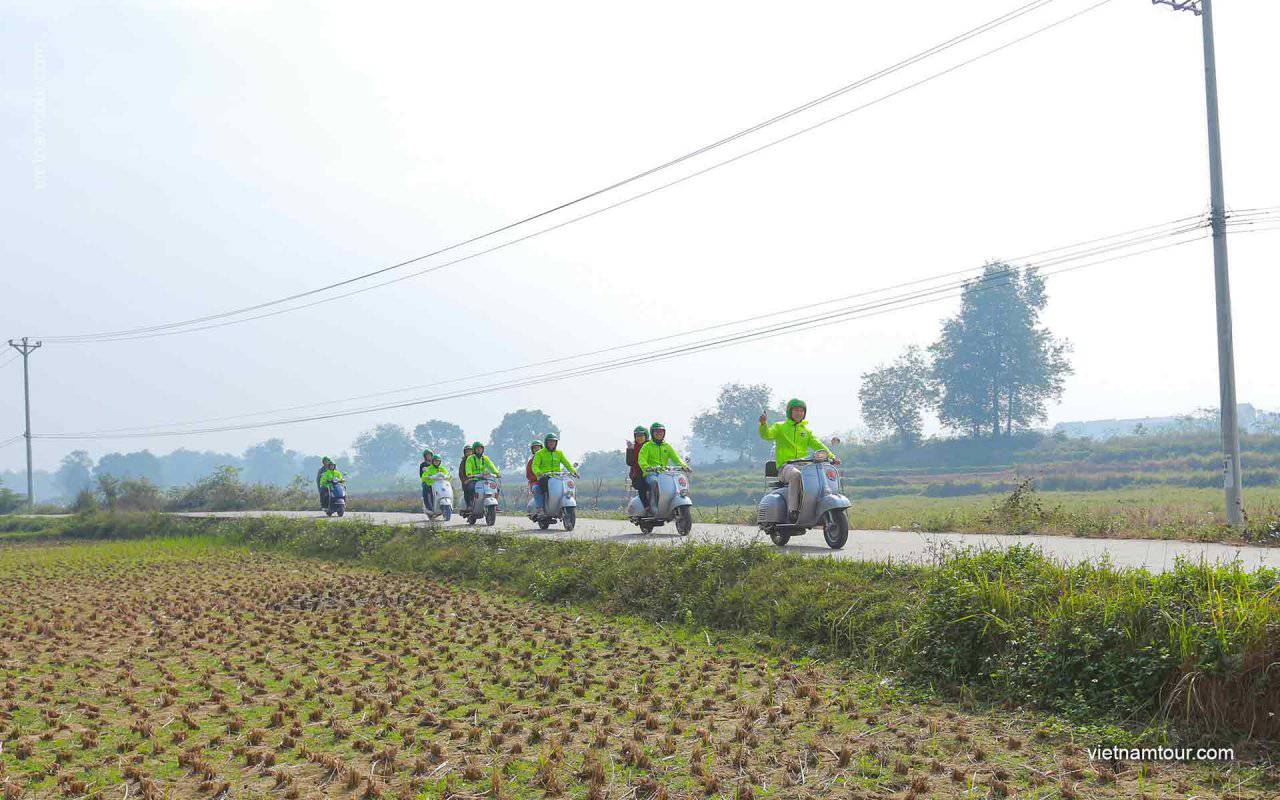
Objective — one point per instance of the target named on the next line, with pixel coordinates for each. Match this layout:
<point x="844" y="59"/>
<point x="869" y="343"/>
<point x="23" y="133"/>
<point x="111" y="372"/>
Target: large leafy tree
<point x="75" y="473"/>
<point x="508" y="444"/>
<point x="894" y="396"/>
<point x="996" y="365"/>
<point x="269" y="462"/>
<point x="138" y="464"/>
<point x="383" y="451"/>
<point x="443" y="438"/>
<point x="732" y="424"/>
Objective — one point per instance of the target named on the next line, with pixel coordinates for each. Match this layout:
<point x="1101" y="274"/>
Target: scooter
<point x="561" y="504"/>
<point x="484" y="501"/>
<point x="337" y="499"/>
<point x="821" y="504"/>
<point x="441" y="498"/>
<point x="672" y="502"/>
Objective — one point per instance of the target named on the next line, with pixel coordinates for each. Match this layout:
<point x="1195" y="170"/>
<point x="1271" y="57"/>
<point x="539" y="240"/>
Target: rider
<point x="476" y="465"/>
<point x="655" y="454"/>
<point x="792" y="441"/>
<point x="639" y="436"/>
<point x="428" y="472"/>
<point x="462" y="476"/>
<point x="327" y="477"/>
<point x="534" y="487"/>
<point x="548" y="460"/>
<point x="326" y="464"/>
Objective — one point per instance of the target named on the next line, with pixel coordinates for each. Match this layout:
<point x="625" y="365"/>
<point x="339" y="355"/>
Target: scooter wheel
<point x="490" y="515"/>
<point x="779" y="538"/>
<point x="448" y="513"/>
<point x="835" y="528"/>
<point x="328" y="513"/>
<point x="569" y="517"/>
<point x="471" y="520"/>
<point x="646" y="527"/>
<point x="684" y="520"/>
<point x="341" y="511"/>
<point x="544" y="523"/>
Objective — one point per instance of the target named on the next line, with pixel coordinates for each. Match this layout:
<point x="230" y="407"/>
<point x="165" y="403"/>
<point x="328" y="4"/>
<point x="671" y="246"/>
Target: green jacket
<point x="329" y="476"/>
<point x="653" y="454"/>
<point x="791" y="440"/>
<point x="431" y="470"/>
<point x="547" y="461"/>
<point x="478" y="465"/>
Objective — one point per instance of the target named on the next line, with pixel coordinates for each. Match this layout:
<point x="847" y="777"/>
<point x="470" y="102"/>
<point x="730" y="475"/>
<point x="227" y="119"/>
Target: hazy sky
<point x="168" y="160"/>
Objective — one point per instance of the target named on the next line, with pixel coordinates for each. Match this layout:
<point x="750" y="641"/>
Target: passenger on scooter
<point x="327" y="477"/>
<point x="462" y="476"/>
<point x="548" y="460"/>
<point x="430" y="471"/>
<point x="534" y="487"/>
<point x="792" y="441"/>
<point x="638" y="482"/>
<point x="426" y="461"/>
<point x="326" y="464"/>
<point x="657" y="453"/>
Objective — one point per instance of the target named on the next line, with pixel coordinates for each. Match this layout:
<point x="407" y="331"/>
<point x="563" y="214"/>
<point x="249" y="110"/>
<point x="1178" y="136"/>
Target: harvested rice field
<point x="184" y="668"/>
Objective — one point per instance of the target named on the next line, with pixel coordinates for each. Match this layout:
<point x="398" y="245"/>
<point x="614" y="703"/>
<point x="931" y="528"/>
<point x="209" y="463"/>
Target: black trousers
<point x="641" y="485"/>
<point x="427" y="496"/>
<point x="468" y="492"/>
<point x="324" y="498"/>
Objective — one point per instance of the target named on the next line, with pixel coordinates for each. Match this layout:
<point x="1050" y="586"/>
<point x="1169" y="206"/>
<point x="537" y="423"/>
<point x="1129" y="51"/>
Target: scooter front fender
<point x="569" y="502"/>
<point x="682" y="501"/>
<point x="831" y="502"/>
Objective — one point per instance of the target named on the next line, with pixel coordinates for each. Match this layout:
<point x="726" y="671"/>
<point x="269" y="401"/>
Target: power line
<point x="194" y="324"/>
<point x="1043" y="258"/>
<point x="10" y="440"/>
<point x="932" y="295"/>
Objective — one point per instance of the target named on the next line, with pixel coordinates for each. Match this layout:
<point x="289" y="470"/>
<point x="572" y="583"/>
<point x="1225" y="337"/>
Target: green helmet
<point x="551" y="437"/>
<point x="326" y="460"/>
<point x="427" y="454"/>
<point x="656" y="426"/>
<point x="476" y="445"/>
<point x="795" y="402"/>
<point x="640" y="429"/>
<point x="535" y="443"/>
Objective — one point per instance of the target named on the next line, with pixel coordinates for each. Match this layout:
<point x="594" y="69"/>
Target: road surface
<point x="1156" y="555"/>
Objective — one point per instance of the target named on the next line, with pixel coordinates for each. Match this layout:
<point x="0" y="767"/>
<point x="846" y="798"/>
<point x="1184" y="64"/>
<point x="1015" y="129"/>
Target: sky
<point x="168" y="160"/>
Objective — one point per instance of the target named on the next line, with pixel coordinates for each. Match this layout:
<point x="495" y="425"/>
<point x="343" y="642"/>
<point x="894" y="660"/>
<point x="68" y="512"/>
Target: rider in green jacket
<point x="792" y="440"/>
<point x="656" y="454"/>
<point x="546" y="461"/>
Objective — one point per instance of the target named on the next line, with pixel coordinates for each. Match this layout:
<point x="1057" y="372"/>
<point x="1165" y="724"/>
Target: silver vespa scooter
<point x="561" y="503"/>
<point x="484" y="502"/>
<point x="672" y="503"/>
<point x="821" y="503"/>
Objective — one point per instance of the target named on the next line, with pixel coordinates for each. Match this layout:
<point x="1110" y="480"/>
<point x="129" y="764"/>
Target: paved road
<point x="1155" y="555"/>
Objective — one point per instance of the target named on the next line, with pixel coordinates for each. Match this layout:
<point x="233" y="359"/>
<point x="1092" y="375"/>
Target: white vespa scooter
<point x="561" y="503"/>
<point x="821" y="504"/>
<point x="672" y="503"/>
<point x="441" y="498"/>
<point x="484" y="502"/>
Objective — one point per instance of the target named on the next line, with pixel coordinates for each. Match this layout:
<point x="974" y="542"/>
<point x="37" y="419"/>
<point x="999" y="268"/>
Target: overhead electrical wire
<point x="220" y="319"/>
<point x="908" y="300"/>
<point x="1045" y="257"/>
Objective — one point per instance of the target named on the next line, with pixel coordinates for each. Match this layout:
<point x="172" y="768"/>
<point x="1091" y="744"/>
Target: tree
<point x="383" y="451"/>
<point x="508" y="444"/>
<point x="138" y="464"/>
<point x="732" y="424"/>
<point x="268" y="462"/>
<point x="997" y="367"/>
<point x="443" y="438"/>
<point x="895" y="396"/>
<point x="75" y="473"/>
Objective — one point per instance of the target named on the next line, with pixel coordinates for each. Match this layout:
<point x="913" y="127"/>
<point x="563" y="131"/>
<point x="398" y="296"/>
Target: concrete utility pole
<point x="1232" y="480"/>
<point x="27" y="348"/>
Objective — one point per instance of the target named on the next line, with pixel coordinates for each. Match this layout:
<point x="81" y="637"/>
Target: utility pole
<point x="27" y="348"/>
<point x="1232" y="481"/>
